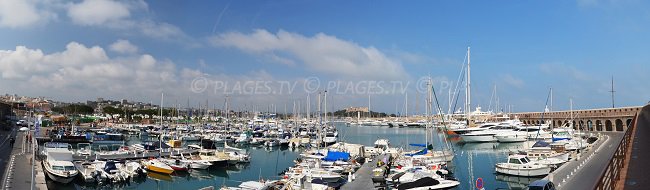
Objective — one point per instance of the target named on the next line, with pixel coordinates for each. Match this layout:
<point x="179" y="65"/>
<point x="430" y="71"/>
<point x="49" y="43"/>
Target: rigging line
<point x="542" y="119"/>
<point x="460" y="77"/>
<point x="442" y="118"/>
<point x="457" y="95"/>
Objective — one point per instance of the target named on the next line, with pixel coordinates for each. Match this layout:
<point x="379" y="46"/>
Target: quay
<point x="363" y="176"/>
<point x="18" y="170"/>
<point x="633" y="159"/>
<point x="582" y="171"/>
<point x="618" y="161"/>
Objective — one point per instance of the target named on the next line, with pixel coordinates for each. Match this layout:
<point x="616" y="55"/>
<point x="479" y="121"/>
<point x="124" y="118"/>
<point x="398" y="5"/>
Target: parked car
<point x="541" y="184"/>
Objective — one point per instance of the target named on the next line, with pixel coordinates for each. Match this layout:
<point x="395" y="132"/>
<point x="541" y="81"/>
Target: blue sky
<point x="80" y="50"/>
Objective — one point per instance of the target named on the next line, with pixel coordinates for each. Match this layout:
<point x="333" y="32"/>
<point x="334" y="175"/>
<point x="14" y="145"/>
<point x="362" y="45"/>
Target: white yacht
<point x="465" y="130"/>
<point x="517" y="135"/>
<point x="520" y="165"/>
<point x="58" y="165"/>
<point x="428" y="183"/>
<point x="330" y="138"/>
<point x="382" y="143"/>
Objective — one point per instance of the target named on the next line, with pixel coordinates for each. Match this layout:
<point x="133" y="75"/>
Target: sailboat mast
<point x="369" y="113"/>
<point x="406" y="104"/>
<point x="468" y="91"/>
<point x="162" y="98"/>
<point x="551" y="110"/>
<point x="571" y="108"/>
<point x="325" y="106"/>
<point x="426" y="115"/>
<point x="612" y="91"/>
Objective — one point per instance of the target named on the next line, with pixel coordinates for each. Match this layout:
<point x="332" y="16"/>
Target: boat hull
<point x="199" y="166"/>
<point x="160" y="170"/>
<point x="478" y="138"/>
<point x="527" y="172"/>
<point x="511" y="138"/>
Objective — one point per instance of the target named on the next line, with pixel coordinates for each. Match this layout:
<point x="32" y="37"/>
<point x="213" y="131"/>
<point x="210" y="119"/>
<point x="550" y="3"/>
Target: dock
<point x="580" y="173"/>
<point x="363" y="176"/>
<point x="18" y="172"/>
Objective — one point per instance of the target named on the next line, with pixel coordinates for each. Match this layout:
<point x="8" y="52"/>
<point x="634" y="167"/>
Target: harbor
<point x="324" y="95"/>
<point x="470" y="161"/>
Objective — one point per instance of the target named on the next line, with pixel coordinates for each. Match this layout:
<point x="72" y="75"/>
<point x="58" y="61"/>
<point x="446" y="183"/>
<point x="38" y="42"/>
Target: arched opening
<point x="590" y="125"/>
<point x="599" y="125"/>
<point x="581" y="124"/>
<point x="619" y="125"/>
<point x="628" y="122"/>
<point x="572" y="124"/>
<point x="608" y="125"/>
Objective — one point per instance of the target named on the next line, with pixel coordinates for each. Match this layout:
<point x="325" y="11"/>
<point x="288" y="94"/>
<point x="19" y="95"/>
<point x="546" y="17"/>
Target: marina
<point x="324" y="95"/>
<point x="471" y="160"/>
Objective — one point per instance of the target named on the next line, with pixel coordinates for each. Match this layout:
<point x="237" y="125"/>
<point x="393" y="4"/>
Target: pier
<point x="363" y="176"/>
<point x="581" y="172"/>
<point x="628" y="168"/>
<point x="18" y="169"/>
<point x="617" y="161"/>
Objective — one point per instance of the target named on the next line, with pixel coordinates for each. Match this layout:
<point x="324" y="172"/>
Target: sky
<point x="273" y="54"/>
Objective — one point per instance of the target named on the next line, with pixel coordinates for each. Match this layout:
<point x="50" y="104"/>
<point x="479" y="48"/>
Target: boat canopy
<point x="335" y="155"/>
<point x="109" y="166"/>
<point x="421" y="152"/>
<point x="422" y="182"/>
<point x="59" y="154"/>
<point x="541" y="144"/>
<point x="419" y="145"/>
<point x="560" y="139"/>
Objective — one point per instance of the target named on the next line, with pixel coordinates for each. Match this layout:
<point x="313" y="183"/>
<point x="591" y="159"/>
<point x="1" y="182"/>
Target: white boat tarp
<point x="59" y="154"/>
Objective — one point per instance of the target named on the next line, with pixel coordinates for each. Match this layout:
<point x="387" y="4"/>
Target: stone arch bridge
<point x="604" y="119"/>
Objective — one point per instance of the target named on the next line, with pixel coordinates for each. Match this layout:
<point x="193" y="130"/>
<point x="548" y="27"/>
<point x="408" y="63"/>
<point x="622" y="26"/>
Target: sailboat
<point x="156" y="165"/>
<point x="426" y="155"/>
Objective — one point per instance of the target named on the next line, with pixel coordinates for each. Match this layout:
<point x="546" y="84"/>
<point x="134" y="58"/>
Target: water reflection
<point x="516" y="182"/>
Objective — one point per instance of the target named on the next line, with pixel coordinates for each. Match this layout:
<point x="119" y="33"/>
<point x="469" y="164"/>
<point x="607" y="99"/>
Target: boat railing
<point x="612" y="173"/>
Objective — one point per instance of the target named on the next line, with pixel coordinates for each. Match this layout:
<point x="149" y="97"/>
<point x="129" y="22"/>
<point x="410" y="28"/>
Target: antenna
<point x="612" y="91"/>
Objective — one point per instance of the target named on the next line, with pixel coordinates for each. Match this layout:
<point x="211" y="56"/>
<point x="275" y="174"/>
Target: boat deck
<point x="132" y="155"/>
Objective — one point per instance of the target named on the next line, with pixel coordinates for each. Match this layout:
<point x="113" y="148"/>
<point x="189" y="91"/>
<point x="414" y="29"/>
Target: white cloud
<point x="81" y="72"/>
<point x="98" y="12"/>
<point x="23" y="13"/>
<point x="124" y="46"/>
<point x="321" y="53"/>
<point x="84" y="71"/>
<point x="125" y="16"/>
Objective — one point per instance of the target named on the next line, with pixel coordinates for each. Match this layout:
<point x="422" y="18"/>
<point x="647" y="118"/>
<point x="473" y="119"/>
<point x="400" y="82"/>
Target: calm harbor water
<point x="471" y="162"/>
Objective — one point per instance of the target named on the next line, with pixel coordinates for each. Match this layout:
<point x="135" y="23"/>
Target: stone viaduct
<point x="603" y="119"/>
